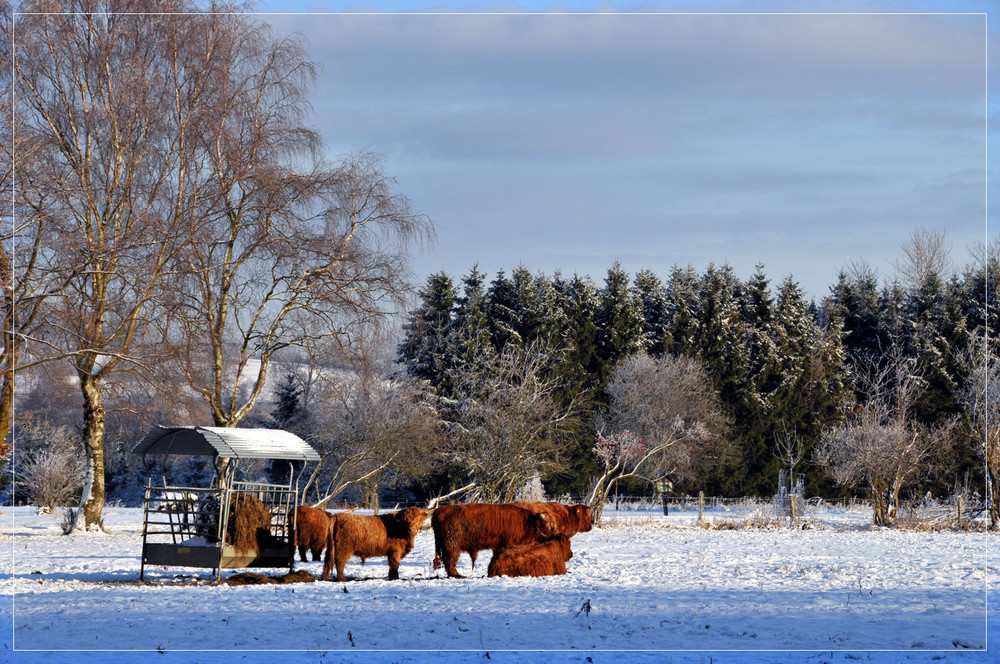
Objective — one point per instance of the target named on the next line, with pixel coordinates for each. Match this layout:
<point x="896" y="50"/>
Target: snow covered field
<point x="837" y="591"/>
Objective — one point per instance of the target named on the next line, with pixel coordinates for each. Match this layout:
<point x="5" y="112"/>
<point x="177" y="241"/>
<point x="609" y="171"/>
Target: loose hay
<point x="254" y="579"/>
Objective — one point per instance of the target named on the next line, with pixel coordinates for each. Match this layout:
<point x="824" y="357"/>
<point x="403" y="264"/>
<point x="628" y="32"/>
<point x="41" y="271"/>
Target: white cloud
<point x="776" y="132"/>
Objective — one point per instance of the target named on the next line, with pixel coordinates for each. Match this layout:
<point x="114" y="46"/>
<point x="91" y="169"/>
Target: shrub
<point x="52" y="478"/>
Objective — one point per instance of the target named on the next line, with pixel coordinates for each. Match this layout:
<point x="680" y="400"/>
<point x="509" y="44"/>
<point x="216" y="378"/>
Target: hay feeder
<point x="233" y="523"/>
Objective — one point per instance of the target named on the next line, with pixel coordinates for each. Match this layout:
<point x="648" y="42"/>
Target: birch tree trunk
<point x="93" y="494"/>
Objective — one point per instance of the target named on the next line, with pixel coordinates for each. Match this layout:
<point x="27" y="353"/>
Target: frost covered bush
<point x="532" y="491"/>
<point x="46" y="459"/>
<point x="52" y="478"/>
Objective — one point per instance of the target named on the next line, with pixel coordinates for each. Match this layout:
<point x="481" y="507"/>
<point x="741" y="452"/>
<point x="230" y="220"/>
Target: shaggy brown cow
<point x="311" y="526"/>
<point x="388" y="535"/>
<point x="543" y="559"/>
<point x="569" y="519"/>
<point x="477" y="526"/>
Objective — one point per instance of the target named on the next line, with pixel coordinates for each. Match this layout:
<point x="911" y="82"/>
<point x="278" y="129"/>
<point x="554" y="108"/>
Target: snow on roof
<point x="226" y="442"/>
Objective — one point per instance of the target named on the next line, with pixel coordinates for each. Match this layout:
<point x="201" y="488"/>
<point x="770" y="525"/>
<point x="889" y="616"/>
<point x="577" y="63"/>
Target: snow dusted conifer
<point x="981" y="297"/>
<point x="503" y="312"/>
<point x="469" y="327"/>
<point x="652" y="295"/>
<point x="425" y="350"/>
<point x="619" y="319"/>
<point x="529" y="318"/>
<point x="578" y="303"/>
<point x="937" y="333"/>
<point x="288" y="397"/>
<point x="754" y="410"/>
<point x="854" y="300"/>
<point x="578" y="377"/>
<point x="683" y="311"/>
<point x="720" y="326"/>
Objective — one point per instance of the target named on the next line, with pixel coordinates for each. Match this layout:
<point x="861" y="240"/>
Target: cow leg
<point x="451" y="564"/>
<point x="473" y="554"/>
<point x="342" y="557"/>
<point x="394" y="560"/>
<point x="302" y="554"/>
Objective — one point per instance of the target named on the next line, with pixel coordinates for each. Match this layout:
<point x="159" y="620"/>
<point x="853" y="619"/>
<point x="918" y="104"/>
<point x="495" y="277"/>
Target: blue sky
<point x="561" y="140"/>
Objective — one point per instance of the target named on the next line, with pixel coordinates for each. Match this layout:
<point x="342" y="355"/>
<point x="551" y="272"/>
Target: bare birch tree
<point x="881" y="446"/>
<point x="925" y="253"/>
<point x="108" y="101"/>
<point x="508" y="427"/>
<point x="365" y="426"/>
<point x="293" y="252"/>
<point x="981" y="397"/>
<point x="663" y="420"/>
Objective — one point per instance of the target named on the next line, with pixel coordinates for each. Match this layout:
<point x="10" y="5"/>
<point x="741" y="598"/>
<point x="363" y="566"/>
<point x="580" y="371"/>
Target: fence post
<point x="662" y="488"/>
<point x="960" y="511"/>
<point x="701" y="505"/>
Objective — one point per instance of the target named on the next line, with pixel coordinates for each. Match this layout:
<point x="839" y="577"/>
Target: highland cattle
<point x="542" y="559"/>
<point x="568" y="519"/>
<point x="311" y="527"/>
<point x="478" y="526"/>
<point x="390" y="535"/>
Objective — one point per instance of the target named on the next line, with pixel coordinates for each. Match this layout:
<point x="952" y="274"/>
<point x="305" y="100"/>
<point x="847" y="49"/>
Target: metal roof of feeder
<point x="226" y="443"/>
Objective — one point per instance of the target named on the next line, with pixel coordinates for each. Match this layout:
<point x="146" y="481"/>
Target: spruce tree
<point x="426" y="349"/>
<point x="578" y="304"/>
<point x="287" y="396"/>
<point x="720" y="335"/>
<point x="652" y="295"/>
<point x="755" y="409"/>
<point x="937" y="334"/>
<point x="528" y="319"/>
<point x="981" y="295"/>
<point x="579" y="379"/>
<point x="854" y="300"/>
<point x="469" y="328"/>
<point x="503" y="307"/>
<point x="719" y="343"/>
<point x="619" y="320"/>
<point x="683" y="311"/>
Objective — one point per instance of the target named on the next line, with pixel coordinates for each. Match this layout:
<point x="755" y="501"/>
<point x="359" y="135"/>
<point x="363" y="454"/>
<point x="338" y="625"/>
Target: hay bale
<point x="249" y="524"/>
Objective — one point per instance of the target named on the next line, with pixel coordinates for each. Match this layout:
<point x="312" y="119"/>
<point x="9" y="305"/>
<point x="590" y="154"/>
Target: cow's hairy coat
<point x="479" y="526"/>
<point x="311" y="526"/>
<point x="542" y="559"/>
<point x="390" y="535"/>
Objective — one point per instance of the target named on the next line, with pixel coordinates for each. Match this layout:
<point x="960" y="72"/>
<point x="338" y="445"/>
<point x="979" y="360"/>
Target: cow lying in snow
<point x="542" y="559"/>
<point x="311" y="526"/>
<point x="477" y="526"/>
<point x="389" y="535"/>
<point x="568" y="519"/>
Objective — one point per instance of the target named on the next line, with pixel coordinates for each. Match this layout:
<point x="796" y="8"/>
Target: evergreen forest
<point x="785" y="369"/>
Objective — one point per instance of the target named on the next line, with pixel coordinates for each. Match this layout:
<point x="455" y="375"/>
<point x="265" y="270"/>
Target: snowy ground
<point x="835" y="592"/>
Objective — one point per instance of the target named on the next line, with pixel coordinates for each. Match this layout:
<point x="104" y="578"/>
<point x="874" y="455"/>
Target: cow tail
<point x="330" y="559"/>
<point x="438" y="553"/>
